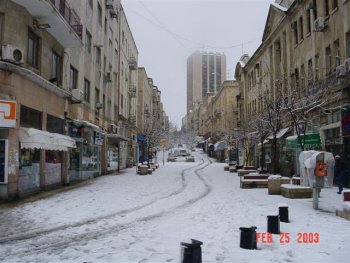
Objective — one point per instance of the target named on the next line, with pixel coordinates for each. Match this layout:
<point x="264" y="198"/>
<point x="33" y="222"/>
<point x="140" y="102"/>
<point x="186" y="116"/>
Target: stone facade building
<point x="302" y="60"/>
<point x="68" y="91"/>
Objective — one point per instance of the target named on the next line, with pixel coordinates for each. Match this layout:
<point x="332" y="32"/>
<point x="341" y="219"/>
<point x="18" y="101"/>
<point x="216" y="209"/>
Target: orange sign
<point x="7" y="113"/>
<point x="321" y="169"/>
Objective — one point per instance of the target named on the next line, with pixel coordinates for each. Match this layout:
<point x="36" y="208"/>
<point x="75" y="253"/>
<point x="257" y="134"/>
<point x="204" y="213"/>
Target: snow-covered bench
<point x="253" y="183"/>
<point x="296" y="191"/>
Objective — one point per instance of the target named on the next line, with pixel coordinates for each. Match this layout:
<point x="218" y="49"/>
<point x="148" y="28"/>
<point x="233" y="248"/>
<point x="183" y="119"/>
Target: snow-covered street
<point x="133" y="218"/>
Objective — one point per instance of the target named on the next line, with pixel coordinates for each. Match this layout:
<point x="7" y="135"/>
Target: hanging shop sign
<point x="309" y="140"/>
<point x="7" y="114"/>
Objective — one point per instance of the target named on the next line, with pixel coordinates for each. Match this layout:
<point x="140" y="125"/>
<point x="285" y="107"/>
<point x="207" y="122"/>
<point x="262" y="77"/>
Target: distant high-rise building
<point x="205" y="73"/>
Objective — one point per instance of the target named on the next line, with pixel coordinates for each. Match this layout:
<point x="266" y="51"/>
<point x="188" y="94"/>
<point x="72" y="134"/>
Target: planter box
<point x="295" y="192"/>
<point x="232" y="169"/>
<point x="254" y="183"/>
<point x="243" y="172"/>
<point x="226" y="167"/>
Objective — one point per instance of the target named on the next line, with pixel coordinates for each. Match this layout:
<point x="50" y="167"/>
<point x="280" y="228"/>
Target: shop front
<point x="345" y="127"/>
<point x="41" y="159"/>
<point x="85" y="159"/>
<point x="113" y="151"/>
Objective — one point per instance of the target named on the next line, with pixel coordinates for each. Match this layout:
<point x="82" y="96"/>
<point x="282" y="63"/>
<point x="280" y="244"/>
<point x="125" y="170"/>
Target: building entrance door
<point x="3" y="161"/>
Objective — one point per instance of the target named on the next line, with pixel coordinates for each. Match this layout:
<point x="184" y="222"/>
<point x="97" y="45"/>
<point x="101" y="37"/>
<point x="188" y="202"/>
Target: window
<point x="334" y="4"/>
<point x="90" y="3"/>
<point x="337" y="53"/>
<point x="88" y="42"/>
<point x="302" y="77"/>
<point x="99" y="14"/>
<point x="123" y="38"/>
<point x="56" y="68"/>
<point x="30" y="118"/>
<point x="97" y="95"/>
<point x="73" y="78"/>
<point x="121" y="101"/>
<point x="308" y="21"/>
<point x="301" y="28"/>
<point x="86" y="90"/>
<point x="328" y="58"/>
<point x="309" y="71"/>
<point x="104" y="104"/>
<point x="326" y="7"/>
<point x="1" y="27"/>
<point x="314" y="5"/>
<point x="296" y="75"/>
<point x="295" y="32"/>
<point x="98" y="55"/>
<point x="106" y="26"/>
<point x="317" y="65"/>
<point x="33" y="50"/>
<point x="54" y="124"/>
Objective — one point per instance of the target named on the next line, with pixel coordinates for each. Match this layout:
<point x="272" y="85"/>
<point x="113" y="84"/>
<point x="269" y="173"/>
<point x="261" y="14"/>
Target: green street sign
<point x="309" y="140"/>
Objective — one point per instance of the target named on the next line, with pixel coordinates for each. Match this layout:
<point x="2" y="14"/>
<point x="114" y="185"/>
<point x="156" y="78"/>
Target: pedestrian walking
<point x="339" y="173"/>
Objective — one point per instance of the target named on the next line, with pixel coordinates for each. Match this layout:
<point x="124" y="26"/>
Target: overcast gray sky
<point x="166" y="32"/>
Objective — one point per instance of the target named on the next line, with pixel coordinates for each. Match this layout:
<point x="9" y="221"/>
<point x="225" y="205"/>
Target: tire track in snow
<point x="94" y="220"/>
<point x="62" y="242"/>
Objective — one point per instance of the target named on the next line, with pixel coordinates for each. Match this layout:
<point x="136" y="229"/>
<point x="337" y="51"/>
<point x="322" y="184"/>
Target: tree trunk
<point x="262" y="156"/>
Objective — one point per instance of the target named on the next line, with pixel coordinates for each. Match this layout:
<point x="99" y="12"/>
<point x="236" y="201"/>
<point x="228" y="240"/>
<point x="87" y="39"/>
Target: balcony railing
<point x="69" y="15"/>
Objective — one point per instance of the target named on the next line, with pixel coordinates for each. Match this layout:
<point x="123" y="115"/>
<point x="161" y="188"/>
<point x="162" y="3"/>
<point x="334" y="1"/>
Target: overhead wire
<point x="177" y="36"/>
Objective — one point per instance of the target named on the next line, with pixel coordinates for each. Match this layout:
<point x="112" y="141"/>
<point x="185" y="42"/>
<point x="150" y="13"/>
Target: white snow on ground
<point x="131" y="218"/>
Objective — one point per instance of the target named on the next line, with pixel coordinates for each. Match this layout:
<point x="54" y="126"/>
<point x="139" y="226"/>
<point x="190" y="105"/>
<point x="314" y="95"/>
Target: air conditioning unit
<point x="347" y="64"/>
<point x="114" y="128"/>
<point x="340" y="71"/>
<point x="109" y="4"/>
<point x="109" y="77"/>
<point x="320" y="24"/>
<point x="77" y="95"/>
<point x="98" y="105"/>
<point x="12" y="54"/>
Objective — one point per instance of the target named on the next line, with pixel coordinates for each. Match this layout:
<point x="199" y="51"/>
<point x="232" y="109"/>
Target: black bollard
<point x="191" y="252"/>
<point x="248" y="237"/>
<point x="273" y="224"/>
<point x="283" y="212"/>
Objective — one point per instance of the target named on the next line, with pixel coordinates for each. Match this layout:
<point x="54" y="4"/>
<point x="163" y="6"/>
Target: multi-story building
<point x="68" y="90"/>
<point x="303" y="56"/>
<point x="205" y="73"/>
<point x="34" y="94"/>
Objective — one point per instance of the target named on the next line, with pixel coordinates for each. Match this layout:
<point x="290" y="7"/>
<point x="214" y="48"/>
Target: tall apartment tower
<point x="205" y="73"/>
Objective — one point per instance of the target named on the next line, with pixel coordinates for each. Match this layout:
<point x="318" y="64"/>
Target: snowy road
<point x="132" y="218"/>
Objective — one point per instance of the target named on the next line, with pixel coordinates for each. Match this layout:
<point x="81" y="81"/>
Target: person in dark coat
<point x="339" y="173"/>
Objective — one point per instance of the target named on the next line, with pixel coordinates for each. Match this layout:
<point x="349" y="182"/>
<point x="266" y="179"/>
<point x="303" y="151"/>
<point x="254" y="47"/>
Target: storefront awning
<point x="219" y="146"/>
<point x="36" y="139"/>
<point x="116" y="137"/>
<point x="331" y="126"/>
<point x="279" y="134"/>
<point x="85" y="124"/>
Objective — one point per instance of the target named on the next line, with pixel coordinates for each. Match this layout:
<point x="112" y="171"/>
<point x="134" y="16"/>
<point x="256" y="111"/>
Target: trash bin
<point x="191" y="252"/>
<point x="273" y="224"/>
<point x="283" y="213"/>
<point x="248" y="237"/>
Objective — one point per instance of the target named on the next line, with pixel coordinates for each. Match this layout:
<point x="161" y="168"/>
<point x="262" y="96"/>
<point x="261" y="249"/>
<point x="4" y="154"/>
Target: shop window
<point x="28" y="157"/>
<point x="334" y="4"/>
<point x="30" y="118"/>
<point x="308" y="21"/>
<point x="54" y="124"/>
<point x="74" y="158"/>
<point x="53" y="157"/>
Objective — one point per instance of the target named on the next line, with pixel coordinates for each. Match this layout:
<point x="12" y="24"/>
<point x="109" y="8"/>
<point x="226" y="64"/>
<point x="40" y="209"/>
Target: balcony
<point x="57" y="18"/>
<point x="132" y="63"/>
